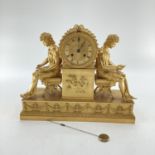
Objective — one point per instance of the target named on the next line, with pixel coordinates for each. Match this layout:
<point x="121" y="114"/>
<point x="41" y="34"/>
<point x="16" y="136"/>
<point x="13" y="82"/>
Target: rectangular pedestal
<point x="78" y="84"/>
<point x="59" y="109"/>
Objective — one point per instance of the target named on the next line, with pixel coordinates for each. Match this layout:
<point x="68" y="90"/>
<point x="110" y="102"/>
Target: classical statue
<point x="107" y="70"/>
<point x="49" y="68"/>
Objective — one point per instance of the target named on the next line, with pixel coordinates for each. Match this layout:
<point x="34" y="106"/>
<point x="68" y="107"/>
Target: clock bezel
<point x="86" y="34"/>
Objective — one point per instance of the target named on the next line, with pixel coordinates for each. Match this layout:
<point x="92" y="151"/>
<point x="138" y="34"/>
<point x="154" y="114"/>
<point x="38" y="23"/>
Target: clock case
<point x="77" y="100"/>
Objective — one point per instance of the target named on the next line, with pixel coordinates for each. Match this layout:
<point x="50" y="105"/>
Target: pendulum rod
<point x="102" y="137"/>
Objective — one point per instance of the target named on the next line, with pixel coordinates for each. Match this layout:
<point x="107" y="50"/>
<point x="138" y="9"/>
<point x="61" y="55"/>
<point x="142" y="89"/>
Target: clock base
<point x="41" y="107"/>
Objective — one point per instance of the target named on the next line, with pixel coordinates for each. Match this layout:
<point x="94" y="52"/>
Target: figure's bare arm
<point x="113" y="67"/>
<point x="43" y="63"/>
<point x="108" y="65"/>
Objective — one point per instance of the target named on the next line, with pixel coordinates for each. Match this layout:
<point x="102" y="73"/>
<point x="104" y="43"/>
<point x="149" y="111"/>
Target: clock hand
<point x="79" y="48"/>
<point x="82" y="44"/>
<point x="78" y="39"/>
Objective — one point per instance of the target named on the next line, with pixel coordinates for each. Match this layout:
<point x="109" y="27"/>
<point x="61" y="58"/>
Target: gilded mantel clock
<point x="78" y="77"/>
<point x="78" y="50"/>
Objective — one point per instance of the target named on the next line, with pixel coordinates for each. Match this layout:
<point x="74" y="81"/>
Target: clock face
<point x="78" y="50"/>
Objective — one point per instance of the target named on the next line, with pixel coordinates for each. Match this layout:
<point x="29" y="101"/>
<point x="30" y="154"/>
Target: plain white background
<point x="21" y="23"/>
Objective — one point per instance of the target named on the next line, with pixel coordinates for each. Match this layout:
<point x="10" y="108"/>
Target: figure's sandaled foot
<point x="129" y="96"/>
<point x="127" y="99"/>
<point x="132" y="97"/>
<point x="26" y="95"/>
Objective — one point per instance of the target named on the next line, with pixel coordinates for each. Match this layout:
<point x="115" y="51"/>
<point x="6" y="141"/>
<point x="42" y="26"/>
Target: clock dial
<point x="78" y="50"/>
